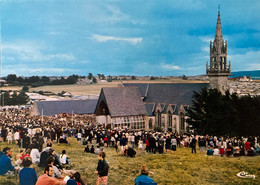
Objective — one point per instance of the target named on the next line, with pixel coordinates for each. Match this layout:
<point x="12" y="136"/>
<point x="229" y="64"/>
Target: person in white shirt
<point x="16" y="136"/>
<point x="35" y="155"/>
<point x="215" y="151"/>
<point x="63" y="157"/>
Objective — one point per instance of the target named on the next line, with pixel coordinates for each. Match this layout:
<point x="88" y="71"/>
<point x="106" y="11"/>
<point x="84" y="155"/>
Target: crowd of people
<point x="32" y="133"/>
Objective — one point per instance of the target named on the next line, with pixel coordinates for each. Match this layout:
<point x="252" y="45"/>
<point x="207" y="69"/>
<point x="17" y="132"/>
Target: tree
<point x="25" y="88"/>
<point x="45" y="79"/>
<point x="109" y="78"/>
<point x="133" y="78"/>
<point x="11" y="78"/>
<point x="94" y="80"/>
<point x="34" y="79"/>
<point x="213" y="113"/>
<point x="152" y="78"/>
<point x="249" y="115"/>
<point x="71" y="80"/>
<point x="20" y="80"/>
<point x="90" y="76"/>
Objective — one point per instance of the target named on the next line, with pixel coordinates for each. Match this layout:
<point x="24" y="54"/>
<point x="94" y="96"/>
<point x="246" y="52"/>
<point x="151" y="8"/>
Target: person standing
<point x="193" y="145"/>
<point x="102" y="169"/>
<point x="174" y="144"/>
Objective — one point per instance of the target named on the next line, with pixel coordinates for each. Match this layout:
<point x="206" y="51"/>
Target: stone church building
<point x="162" y="106"/>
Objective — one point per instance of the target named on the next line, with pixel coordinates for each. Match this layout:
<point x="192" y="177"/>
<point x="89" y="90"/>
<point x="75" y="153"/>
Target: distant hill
<point x="252" y="74"/>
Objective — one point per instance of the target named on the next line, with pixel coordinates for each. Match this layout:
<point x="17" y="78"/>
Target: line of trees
<point x="16" y="98"/>
<point x="224" y="115"/>
<point x="35" y="81"/>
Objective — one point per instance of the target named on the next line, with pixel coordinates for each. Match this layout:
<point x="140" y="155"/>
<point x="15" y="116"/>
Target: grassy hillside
<point x="181" y="167"/>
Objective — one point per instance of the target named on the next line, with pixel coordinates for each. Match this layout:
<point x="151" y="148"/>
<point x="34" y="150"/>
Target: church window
<point x="182" y="122"/>
<point x="159" y="118"/>
<point x="150" y="123"/>
<point x="169" y="119"/>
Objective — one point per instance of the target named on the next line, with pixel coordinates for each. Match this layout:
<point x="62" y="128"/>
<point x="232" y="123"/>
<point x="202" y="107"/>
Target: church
<point x="155" y="106"/>
<point x="150" y="106"/>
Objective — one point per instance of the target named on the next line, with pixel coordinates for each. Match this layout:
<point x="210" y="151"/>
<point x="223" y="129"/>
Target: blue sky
<point x="125" y="37"/>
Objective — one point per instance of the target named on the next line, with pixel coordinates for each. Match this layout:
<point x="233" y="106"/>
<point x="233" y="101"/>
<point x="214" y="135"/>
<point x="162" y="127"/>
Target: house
<point x="121" y="107"/>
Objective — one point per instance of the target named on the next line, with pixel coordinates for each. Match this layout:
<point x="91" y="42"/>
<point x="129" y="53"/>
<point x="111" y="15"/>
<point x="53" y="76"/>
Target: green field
<point x="181" y="167"/>
<point x="93" y="89"/>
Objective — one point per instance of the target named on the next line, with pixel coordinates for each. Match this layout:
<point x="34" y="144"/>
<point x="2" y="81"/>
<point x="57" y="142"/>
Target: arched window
<point x="150" y="123"/>
<point x="182" y="122"/>
<point x="159" y="118"/>
<point x="169" y="119"/>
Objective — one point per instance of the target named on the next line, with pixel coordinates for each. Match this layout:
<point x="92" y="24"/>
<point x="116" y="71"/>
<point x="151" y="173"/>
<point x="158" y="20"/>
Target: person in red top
<point x="47" y="178"/>
<point x="221" y="151"/>
<point x="147" y="145"/>
<point x="247" y="146"/>
<point x="27" y="154"/>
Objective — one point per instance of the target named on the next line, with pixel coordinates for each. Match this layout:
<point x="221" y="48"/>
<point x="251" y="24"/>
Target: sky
<point x="125" y="37"/>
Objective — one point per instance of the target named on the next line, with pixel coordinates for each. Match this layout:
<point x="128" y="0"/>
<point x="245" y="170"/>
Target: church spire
<point x="218" y="70"/>
<point x="218" y="35"/>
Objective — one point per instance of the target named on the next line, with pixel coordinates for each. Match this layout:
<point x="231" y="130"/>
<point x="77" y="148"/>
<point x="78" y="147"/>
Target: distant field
<point x="93" y="89"/>
<point x="171" y="168"/>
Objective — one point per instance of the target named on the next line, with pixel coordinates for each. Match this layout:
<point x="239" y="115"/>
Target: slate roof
<point x="179" y="94"/>
<point x="150" y="107"/>
<point x="77" y="106"/>
<point x="122" y="101"/>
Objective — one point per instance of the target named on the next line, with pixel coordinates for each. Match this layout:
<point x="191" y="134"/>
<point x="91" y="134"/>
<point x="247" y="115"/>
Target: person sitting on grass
<point x="210" y="151"/>
<point x="27" y="176"/>
<point x="47" y="178"/>
<point x="64" y="159"/>
<point x="98" y="150"/>
<point x="76" y="179"/>
<point x="216" y="151"/>
<point x="56" y="172"/>
<point x="87" y="149"/>
<point x="92" y="149"/>
<point x="143" y="178"/>
<point x="6" y="167"/>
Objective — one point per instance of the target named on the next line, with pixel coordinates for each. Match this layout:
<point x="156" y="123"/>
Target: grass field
<point x="92" y="89"/>
<point x="181" y="167"/>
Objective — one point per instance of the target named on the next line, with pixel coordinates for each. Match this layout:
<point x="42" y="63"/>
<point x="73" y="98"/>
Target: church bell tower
<point x="218" y="70"/>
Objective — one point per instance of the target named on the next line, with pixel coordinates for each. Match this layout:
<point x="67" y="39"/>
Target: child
<point x="102" y="169"/>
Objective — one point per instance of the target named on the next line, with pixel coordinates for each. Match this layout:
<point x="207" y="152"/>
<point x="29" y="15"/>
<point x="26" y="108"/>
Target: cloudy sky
<point x="125" y="37"/>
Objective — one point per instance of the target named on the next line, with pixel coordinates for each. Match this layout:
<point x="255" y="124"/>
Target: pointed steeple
<point x="218" y="69"/>
<point x="218" y="35"/>
<point x="218" y="41"/>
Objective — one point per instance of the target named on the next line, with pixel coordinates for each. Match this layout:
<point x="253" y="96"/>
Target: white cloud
<point x="206" y="39"/>
<point x="170" y="67"/>
<point x="32" y="52"/>
<point x="102" y="38"/>
<point x="254" y="66"/>
<point x="27" y="70"/>
<point x="245" y="62"/>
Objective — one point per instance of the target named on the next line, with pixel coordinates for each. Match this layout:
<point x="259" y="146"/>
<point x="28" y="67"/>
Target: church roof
<point x="49" y="108"/>
<point x="150" y="107"/>
<point x="165" y="94"/>
<point x="122" y="101"/>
